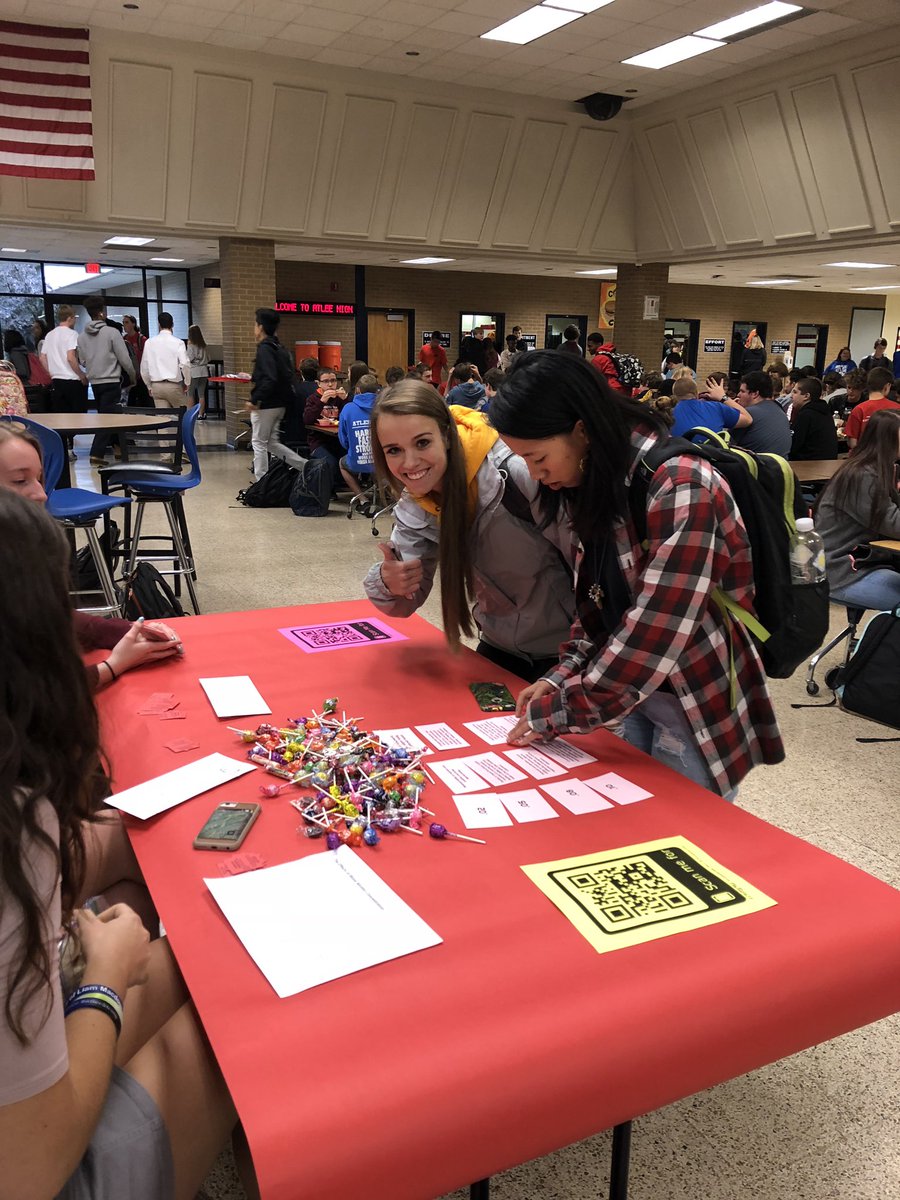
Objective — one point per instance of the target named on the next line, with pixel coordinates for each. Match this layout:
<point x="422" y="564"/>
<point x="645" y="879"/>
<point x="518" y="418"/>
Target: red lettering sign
<point x="92" y="268"/>
<point x="285" y="306"/>
<point x="317" y="308"/>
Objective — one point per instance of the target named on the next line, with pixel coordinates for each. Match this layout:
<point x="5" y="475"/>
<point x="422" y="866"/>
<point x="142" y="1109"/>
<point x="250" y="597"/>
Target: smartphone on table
<point x="493" y="697"/>
<point x="227" y="826"/>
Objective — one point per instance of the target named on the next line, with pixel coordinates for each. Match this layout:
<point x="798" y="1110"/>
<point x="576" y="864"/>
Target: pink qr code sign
<point x="342" y="635"/>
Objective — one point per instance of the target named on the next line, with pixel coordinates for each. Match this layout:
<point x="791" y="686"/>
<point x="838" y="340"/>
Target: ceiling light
<point x="128" y="241"/>
<point x="598" y="271"/>
<point x="12" y="250"/>
<point x="672" y="52"/>
<point x="426" y="262"/>
<point x="579" y="6"/>
<point x="167" y="260"/>
<point x="859" y="266"/>
<point x="884" y="287"/>
<point x="769" y="282"/>
<point x="765" y="14"/>
<point x="533" y="23"/>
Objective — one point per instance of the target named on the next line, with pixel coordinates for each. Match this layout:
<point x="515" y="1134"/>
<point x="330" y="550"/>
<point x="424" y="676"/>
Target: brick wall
<point x="247" y="270"/>
<point x="206" y="303"/>
<point x="634" y="335"/>
<point x="333" y="284"/>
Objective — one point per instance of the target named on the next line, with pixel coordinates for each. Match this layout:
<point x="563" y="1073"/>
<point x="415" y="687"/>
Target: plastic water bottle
<point x="807" y="554"/>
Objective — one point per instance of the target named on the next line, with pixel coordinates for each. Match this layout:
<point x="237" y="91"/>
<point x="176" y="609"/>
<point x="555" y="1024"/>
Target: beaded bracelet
<point x="99" y="997"/>
<point x="106" y="663"/>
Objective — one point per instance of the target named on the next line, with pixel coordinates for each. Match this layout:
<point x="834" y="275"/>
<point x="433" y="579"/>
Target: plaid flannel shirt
<point x="674" y="633"/>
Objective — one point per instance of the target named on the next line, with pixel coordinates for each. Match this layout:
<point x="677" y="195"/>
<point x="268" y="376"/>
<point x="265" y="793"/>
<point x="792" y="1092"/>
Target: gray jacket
<point x="103" y="351"/>
<point x="842" y="529"/>
<point x="524" y="602"/>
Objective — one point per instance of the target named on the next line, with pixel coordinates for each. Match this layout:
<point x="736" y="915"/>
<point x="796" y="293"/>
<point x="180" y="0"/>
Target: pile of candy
<point x="362" y="787"/>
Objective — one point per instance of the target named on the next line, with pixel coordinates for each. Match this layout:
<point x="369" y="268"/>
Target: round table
<point x="72" y="424"/>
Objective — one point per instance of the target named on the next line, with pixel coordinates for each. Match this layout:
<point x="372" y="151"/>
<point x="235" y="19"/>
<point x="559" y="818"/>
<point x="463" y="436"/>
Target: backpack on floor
<point x="148" y="595"/>
<point x="273" y="490"/>
<point x="311" y="494"/>
<point x="869" y="684"/>
<point x="84" y="570"/>
<point x="791" y="620"/>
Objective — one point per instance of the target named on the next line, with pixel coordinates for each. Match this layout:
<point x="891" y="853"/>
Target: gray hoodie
<point x="103" y="351"/>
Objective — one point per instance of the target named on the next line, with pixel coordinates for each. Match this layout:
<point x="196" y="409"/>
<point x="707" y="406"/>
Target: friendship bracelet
<point x="106" y="664"/>
<point x="97" y="1003"/>
<point x="102" y="995"/>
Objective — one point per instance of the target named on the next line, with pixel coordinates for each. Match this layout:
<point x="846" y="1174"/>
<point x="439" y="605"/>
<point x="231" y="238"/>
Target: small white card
<point x="234" y="696"/>
<point x="165" y="791"/>
<point x="458" y="775"/>
<point x="576" y="796"/>
<point x="493" y="730"/>
<point x="494" y="769"/>
<point x="400" y="739"/>
<point x="442" y="737"/>
<point x="538" y="765"/>
<point x="566" y="754"/>
<point x="622" y="791"/>
<point x="528" y="805"/>
<point x="482" y="812"/>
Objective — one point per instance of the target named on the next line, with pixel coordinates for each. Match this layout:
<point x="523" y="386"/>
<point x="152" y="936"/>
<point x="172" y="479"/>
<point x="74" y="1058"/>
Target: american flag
<point x="45" y="102"/>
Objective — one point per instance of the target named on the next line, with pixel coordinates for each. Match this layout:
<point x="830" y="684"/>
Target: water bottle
<point x="807" y="554"/>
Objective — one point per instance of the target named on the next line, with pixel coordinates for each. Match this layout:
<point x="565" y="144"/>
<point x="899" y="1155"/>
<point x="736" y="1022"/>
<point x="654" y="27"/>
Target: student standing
<point x="272" y="392"/>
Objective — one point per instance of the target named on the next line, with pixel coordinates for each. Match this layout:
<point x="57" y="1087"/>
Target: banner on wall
<point x="607" y="317"/>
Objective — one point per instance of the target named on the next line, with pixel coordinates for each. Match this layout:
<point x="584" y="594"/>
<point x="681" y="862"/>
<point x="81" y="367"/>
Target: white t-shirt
<point x="57" y="344"/>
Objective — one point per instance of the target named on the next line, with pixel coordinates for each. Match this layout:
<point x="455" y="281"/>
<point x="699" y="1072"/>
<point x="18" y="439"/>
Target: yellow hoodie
<point x="477" y="437"/>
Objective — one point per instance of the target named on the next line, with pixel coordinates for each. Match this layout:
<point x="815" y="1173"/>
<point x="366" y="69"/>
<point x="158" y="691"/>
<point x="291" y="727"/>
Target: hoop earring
<point x="582" y="462"/>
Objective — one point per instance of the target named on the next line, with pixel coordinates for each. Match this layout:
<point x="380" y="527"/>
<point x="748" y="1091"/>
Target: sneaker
<point x="73" y="457"/>
<point x="98" y="462"/>
<point x="202" y="417"/>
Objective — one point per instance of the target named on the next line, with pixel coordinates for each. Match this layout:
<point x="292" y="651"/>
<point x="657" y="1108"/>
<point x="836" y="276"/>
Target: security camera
<point x="602" y="106"/>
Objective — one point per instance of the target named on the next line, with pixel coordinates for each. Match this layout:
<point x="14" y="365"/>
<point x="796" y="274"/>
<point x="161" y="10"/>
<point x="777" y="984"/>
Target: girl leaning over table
<point x="861" y="504"/>
<point x="110" y="1090"/>
<point x="466" y="512"/>
<point x="649" y="655"/>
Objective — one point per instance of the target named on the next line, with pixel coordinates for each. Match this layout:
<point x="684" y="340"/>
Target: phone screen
<point x="493" y="697"/>
<point x="226" y="824"/>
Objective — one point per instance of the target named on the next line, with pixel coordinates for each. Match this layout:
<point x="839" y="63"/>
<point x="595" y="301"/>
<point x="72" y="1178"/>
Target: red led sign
<point x="309" y="308"/>
<point x="92" y="268"/>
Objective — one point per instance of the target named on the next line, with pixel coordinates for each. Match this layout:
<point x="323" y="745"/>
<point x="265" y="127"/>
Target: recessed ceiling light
<point x="531" y="24"/>
<point x="579" y="6"/>
<point x="673" y="52"/>
<point x="884" y="287"/>
<point x="858" y="266"/>
<point x="167" y="260"/>
<point x="12" y="250"/>
<point x="412" y="53"/>
<point x="426" y="262"/>
<point x="132" y="6"/>
<point x="769" y="282"/>
<point x="598" y="271"/>
<point x="128" y="241"/>
<point x="765" y="14"/>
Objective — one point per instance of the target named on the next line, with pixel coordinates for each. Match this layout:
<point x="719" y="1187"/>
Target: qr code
<point x="332" y="635"/>
<point x="630" y="893"/>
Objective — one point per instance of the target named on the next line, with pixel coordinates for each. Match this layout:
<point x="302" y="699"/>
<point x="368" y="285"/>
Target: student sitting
<point x="814" y="435"/>
<point x="717" y="414"/>
<point x="353" y="434"/>
<point x="879" y="382"/>
<point x="492" y="381"/>
<point x="464" y="388"/>
<point x="325" y="402"/>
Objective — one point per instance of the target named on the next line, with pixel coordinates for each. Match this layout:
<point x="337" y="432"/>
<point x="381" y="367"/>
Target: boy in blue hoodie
<point x="353" y="434"/>
<point x="464" y="388"/>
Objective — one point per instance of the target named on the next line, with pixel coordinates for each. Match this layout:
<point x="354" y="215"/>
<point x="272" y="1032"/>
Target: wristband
<point x="99" y="997"/>
<point x="106" y="663"/>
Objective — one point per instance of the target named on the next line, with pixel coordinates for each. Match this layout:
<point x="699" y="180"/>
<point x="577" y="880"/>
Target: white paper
<point x="442" y="737"/>
<point x="528" y="805"/>
<point x="360" y="920"/>
<point x="538" y="765"/>
<point x="234" y="696"/>
<point x="165" y="791"/>
<point x="614" y="787"/>
<point x="400" y="739"/>
<point x="576" y="796"/>
<point x="458" y="775"/>
<point x="493" y="730"/>
<point x="482" y="812"/>
<point x="493" y="768"/>
<point x="566" y="754"/>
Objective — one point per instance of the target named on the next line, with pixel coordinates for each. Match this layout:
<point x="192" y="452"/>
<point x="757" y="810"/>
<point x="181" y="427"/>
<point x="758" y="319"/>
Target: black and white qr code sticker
<point x="633" y="894"/>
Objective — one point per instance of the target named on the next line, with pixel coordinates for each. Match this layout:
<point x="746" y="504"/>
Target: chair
<point x="77" y="508"/>
<point x="166" y="489"/>
<point x="854" y="616"/>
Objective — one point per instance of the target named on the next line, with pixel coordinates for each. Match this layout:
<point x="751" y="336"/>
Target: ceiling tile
<point x="263" y="27"/>
<point x="339" y="57"/>
<point x="310" y="37"/>
<point x="439" y="39"/>
<point x="456" y="22"/>
<point x="404" y="13"/>
<point x="324" y="18"/>
<point x="389" y="31"/>
<point x="236" y="41"/>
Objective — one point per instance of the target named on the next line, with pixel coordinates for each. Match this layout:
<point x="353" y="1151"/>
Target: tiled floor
<point x="823" y="1125"/>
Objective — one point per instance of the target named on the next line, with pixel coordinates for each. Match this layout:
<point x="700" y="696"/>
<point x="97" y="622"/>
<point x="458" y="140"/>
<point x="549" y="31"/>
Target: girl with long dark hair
<point x="467" y="512"/>
<point x="651" y="656"/>
<point x="862" y="504"/>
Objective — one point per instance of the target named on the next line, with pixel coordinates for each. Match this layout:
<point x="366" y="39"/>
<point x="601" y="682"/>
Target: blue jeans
<point x="660" y="728"/>
<point x="878" y="589"/>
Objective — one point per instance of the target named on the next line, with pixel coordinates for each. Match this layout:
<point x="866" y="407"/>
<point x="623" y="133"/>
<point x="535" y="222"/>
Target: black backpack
<point x="629" y="369"/>
<point x="868" y="684"/>
<point x="148" y="595"/>
<point x="311" y="494"/>
<point x="791" y="620"/>
<point x="273" y="490"/>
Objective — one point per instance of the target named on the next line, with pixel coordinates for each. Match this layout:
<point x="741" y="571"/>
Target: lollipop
<point x="436" y="830"/>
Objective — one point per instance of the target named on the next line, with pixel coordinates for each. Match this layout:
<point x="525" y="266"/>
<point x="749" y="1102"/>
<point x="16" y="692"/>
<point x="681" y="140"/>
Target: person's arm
<point x="265" y="372"/>
<point x="185" y="364"/>
<point x="123" y="357"/>
<point x="414" y="544"/>
<point x="744" y="416"/>
<point x="853" y="426"/>
<point x="72" y="360"/>
<point x="312" y="409"/>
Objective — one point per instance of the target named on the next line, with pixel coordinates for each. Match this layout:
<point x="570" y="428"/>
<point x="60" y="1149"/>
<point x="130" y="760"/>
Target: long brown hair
<point x="876" y="453"/>
<point x="413" y="398"/>
<point x="49" y="740"/>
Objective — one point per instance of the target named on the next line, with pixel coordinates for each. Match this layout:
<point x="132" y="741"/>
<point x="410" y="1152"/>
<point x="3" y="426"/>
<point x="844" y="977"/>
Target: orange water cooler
<point x="305" y="349"/>
<point x="330" y="355"/>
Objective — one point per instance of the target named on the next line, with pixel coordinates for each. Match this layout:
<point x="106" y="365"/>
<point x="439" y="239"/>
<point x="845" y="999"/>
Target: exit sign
<point x="92" y="268"/>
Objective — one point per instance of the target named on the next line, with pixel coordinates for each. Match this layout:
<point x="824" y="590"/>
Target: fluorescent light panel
<point x="769" y="282"/>
<point x="599" y="271"/>
<point x="765" y="14"/>
<point x="884" y="287"/>
<point x="579" y="6"/>
<point x="673" y="52"/>
<point x="425" y="262"/>
<point x="167" y="260"/>
<point x="12" y="250"/>
<point x="128" y="241"/>
<point x="859" y="266"/>
<point x="534" y="23"/>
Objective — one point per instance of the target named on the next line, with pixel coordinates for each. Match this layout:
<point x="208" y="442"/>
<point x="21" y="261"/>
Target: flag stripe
<point x="45" y="102"/>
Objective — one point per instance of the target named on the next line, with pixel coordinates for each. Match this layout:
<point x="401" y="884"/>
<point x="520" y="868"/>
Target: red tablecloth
<point x="513" y="1037"/>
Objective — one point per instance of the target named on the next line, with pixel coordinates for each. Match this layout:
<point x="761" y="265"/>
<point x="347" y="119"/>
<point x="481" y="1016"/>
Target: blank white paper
<point x="234" y="696"/>
<point x="165" y="791"/>
<point x="273" y="912"/>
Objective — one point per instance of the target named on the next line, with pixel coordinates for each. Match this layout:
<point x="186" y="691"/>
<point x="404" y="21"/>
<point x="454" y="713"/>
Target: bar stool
<point x="854" y="616"/>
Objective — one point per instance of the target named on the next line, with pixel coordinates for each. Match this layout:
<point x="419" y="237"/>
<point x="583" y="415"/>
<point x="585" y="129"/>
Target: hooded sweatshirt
<point x="353" y="432"/>
<point x="470" y="393"/>
<point x="103" y="351"/>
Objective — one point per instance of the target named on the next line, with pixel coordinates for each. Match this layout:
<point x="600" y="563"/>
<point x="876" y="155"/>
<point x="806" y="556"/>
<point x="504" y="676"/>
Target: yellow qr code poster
<point x="635" y="894"/>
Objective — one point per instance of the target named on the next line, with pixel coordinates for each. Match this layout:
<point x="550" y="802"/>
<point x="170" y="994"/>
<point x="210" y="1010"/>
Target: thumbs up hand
<point x="400" y="578"/>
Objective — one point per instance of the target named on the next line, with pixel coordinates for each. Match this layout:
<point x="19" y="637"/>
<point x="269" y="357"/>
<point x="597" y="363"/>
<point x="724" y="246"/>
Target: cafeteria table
<point x="513" y="1037"/>
<point x="816" y="471"/>
<point x="72" y="424"/>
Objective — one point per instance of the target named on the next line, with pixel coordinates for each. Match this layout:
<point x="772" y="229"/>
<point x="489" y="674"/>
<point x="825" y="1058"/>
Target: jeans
<point x="264" y="423"/>
<point x="108" y="399"/>
<point x="878" y="589"/>
<point x="660" y="728"/>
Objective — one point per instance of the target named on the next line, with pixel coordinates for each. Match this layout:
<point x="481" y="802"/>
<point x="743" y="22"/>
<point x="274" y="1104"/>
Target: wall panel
<point x="827" y="137"/>
<point x="525" y="192"/>
<point x="359" y="164"/>
<point x="776" y="166"/>
<point x="288" y="178"/>
<point x="139" y="147"/>
<point x="667" y="148"/>
<point x="57" y="195"/>
<point x="583" y="177"/>
<point x="416" y="190"/>
<point x="218" y="149"/>
<point x="472" y="186"/>
<point x="876" y="87"/>
<point x="724" y="182"/>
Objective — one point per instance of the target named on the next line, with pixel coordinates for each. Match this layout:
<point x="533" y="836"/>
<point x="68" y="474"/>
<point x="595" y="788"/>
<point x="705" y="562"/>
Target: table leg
<point x="480" y="1190"/>
<point x="621" y="1157"/>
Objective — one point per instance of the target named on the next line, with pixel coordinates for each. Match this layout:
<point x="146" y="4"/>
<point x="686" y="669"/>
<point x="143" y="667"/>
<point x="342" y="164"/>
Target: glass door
<point x="556" y="326"/>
